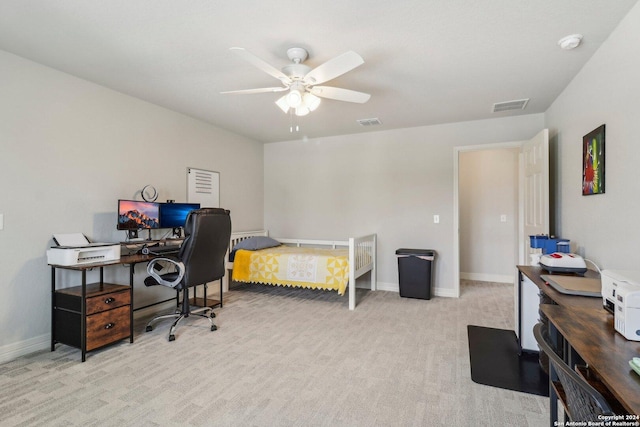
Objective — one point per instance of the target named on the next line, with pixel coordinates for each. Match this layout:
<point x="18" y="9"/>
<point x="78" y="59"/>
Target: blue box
<point x="550" y="245"/>
<point x="538" y="241"/>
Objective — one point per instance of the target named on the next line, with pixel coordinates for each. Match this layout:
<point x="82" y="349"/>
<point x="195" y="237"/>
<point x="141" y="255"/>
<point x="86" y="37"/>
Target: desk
<point x="591" y="335"/>
<point x="93" y="315"/>
<point x="587" y="329"/>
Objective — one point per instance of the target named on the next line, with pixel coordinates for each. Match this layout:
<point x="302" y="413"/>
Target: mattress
<point x="305" y="267"/>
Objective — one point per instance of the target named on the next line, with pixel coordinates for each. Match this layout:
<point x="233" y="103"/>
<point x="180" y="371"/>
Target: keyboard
<point x="164" y="250"/>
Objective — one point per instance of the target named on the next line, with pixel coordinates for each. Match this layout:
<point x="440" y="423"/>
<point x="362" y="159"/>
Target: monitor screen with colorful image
<point x="137" y="215"/>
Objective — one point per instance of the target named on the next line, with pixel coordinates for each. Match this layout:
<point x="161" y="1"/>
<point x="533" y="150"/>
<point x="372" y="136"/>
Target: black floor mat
<point x="495" y="362"/>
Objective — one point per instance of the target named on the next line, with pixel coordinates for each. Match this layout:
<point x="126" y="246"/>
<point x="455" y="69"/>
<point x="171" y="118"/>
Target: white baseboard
<point x="11" y="352"/>
<point x="394" y="287"/>
<point x="384" y="286"/>
<point x="482" y="277"/>
<point x="447" y="293"/>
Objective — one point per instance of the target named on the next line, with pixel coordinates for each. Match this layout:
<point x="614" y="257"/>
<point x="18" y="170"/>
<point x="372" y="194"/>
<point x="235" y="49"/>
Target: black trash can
<point x="415" y="272"/>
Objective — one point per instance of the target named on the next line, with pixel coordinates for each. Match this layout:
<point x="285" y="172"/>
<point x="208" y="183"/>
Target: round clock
<point x="149" y="193"/>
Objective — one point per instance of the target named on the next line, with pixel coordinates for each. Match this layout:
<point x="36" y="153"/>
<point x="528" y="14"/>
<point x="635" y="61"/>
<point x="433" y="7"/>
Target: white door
<point x="534" y="219"/>
<point x="534" y="192"/>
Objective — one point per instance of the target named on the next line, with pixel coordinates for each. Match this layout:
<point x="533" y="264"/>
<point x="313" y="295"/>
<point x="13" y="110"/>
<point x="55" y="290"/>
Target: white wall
<point x="488" y="189"/>
<point x="69" y="150"/>
<point x="387" y="182"/>
<point x="604" y="228"/>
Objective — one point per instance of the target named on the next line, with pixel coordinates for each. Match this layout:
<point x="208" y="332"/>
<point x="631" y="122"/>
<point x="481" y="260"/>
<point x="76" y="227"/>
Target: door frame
<point x="456" y="201"/>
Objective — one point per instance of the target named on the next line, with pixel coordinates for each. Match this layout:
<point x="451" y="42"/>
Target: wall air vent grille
<point x="369" y="122"/>
<point x="518" y="104"/>
<point x="203" y="187"/>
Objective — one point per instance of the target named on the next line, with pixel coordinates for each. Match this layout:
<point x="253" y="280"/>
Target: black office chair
<point x="200" y="260"/>
<point x="581" y="401"/>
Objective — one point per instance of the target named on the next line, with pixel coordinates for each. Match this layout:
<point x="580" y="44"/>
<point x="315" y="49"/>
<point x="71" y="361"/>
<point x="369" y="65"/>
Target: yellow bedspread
<point x="294" y="266"/>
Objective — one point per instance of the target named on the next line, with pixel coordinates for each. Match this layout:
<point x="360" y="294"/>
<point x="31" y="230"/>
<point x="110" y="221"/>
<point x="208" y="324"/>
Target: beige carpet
<point x="282" y="357"/>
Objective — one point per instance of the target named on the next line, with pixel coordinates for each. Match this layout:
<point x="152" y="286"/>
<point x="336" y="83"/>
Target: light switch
<point x="503" y="218"/>
<point x="436" y="219"/>
<point x="1" y="221"/>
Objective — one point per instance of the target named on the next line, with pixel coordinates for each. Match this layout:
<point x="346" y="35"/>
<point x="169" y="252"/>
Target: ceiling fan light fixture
<point x="282" y="103"/>
<point x="294" y="98"/>
<point x="311" y="101"/>
<point x="299" y="80"/>
<point x="302" y="110"/>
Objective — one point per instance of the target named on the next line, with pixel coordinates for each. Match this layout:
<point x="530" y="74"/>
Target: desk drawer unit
<point x="107" y="327"/>
<point x="108" y="301"/>
<point x="107" y="315"/>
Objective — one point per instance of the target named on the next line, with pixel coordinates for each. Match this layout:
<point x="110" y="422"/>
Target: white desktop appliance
<point x="626" y="318"/>
<point x="95" y="252"/>
<point x="561" y="262"/>
<point x="75" y="249"/>
<point x="610" y="281"/>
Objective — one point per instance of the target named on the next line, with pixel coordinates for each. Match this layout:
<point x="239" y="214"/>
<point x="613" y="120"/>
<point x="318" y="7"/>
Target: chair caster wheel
<point x="149" y="328"/>
<point x="214" y="328"/>
<point x="172" y="337"/>
<point x="213" y="315"/>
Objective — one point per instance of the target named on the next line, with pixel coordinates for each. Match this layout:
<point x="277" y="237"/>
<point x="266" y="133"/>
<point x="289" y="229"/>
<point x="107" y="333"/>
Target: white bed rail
<point x="362" y="255"/>
<point x="362" y="259"/>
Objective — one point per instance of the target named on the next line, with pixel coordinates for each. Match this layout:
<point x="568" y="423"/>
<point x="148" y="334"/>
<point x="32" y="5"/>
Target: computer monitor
<point x="136" y="215"/>
<point x="174" y="215"/>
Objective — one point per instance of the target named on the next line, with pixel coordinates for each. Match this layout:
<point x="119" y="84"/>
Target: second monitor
<point x="174" y="215"/>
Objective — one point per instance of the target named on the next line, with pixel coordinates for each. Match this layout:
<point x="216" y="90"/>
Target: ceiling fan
<point x="300" y="80"/>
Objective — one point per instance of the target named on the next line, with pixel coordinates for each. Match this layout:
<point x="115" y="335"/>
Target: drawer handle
<point x="109" y="300"/>
<point x="109" y="325"/>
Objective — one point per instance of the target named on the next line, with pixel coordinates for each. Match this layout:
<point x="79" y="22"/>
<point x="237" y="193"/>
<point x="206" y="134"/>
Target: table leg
<point x="53" y="312"/>
<point x="132" y="267"/>
<point x="83" y="316"/>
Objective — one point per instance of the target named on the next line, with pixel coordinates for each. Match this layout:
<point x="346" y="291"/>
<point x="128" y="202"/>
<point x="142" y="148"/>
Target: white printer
<point x="77" y="255"/>
<point x="611" y="279"/>
<point x="75" y="249"/>
<point x="626" y="318"/>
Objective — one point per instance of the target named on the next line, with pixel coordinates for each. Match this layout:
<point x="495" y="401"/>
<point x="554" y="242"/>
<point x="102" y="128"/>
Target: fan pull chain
<point x="293" y="125"/>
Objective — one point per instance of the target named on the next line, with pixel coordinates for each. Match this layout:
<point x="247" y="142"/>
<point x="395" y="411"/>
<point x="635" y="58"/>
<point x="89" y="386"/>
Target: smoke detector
<point x="570" y="42"/>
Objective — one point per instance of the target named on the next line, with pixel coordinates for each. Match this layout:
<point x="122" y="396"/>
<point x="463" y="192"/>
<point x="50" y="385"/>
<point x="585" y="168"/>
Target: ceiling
<point x="426" y="62"/>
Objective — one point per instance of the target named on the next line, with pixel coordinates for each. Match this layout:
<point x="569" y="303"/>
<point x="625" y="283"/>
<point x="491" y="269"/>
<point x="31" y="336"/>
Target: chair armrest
<point x="152" y="272"/>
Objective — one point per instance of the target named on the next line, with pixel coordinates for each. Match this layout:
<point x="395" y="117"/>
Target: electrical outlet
<point x="436" y="219"/>
<point x="503" y="218"/>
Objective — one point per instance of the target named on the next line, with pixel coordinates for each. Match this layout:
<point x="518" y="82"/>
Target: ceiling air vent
<point x="518" y="104"/>
<point x="369" y="122"/>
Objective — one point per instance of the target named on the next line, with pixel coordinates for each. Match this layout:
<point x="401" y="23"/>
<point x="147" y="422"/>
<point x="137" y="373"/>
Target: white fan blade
<point x="340" y="94"/>
<point x="264" y="66"/>
<point x="333" y="68"/>
<point x="259" y="90"/>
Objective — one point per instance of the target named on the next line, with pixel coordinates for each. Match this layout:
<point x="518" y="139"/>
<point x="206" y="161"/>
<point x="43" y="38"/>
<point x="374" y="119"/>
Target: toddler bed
<point x="315" y="264"/>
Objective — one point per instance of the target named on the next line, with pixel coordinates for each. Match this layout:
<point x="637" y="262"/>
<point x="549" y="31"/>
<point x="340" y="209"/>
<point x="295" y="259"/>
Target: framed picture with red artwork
<point x="593" y="162"/>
